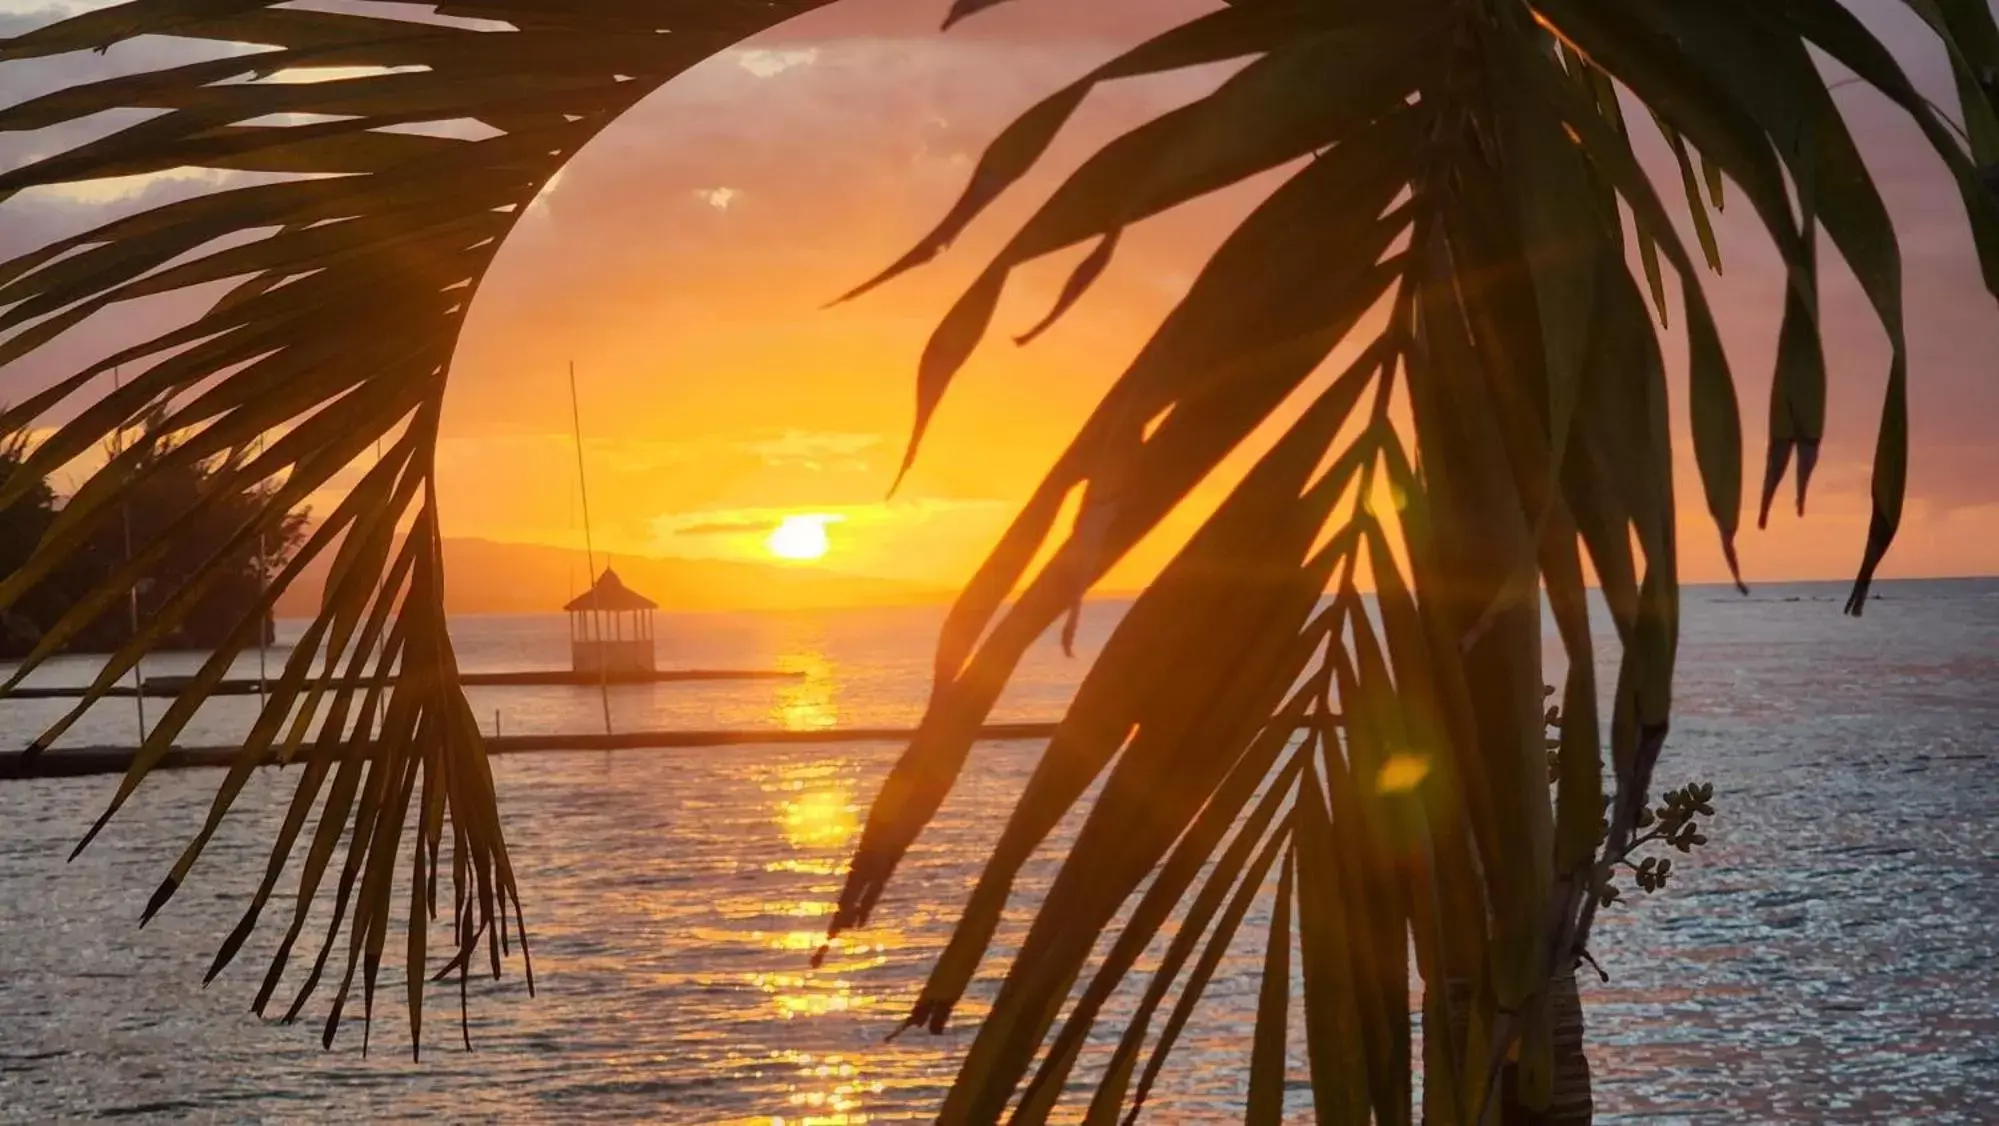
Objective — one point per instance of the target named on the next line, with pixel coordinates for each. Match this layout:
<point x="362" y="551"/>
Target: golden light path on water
<point x="815" y="812"/>
<point x="809" y="703"/>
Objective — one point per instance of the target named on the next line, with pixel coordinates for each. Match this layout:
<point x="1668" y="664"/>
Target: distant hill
<point x="486" y="577"/>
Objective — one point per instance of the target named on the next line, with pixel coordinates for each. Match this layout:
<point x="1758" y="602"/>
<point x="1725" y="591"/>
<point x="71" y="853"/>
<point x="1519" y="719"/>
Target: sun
<point x="800" y="538"/>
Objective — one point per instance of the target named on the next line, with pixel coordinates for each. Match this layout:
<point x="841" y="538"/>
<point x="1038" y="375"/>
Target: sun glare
<point x="800" y="538"/>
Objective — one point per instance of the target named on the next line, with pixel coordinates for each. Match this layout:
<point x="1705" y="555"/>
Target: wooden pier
<point x="169" y="686"/>
<point x="83" y="761"/>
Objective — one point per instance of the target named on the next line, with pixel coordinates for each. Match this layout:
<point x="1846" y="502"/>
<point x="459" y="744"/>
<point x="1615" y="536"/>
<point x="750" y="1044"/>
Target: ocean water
<point x="1832" y="956"/>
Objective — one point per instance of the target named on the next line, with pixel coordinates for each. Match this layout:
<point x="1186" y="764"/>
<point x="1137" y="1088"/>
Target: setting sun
<point x="800" y="538"/>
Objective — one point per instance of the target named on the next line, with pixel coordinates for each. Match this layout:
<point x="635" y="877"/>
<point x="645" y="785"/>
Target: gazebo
<point x="610" y="628"/>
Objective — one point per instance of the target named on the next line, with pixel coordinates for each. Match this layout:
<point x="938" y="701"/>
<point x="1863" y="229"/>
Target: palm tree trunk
<point x="1572" y="1104"/>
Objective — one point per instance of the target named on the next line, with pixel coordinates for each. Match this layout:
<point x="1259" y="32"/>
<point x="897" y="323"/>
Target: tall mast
<point x="132" y="593"/>
<point x="589" y="551"/>
<point x="263" y="618"/>
<point x="569" y="557"/>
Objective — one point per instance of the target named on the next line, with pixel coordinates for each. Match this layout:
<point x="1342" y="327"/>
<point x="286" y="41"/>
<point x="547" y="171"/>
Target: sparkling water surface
<point x="1832" y="956"/>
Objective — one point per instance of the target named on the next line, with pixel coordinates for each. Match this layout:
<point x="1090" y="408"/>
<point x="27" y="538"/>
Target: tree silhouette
<point x="22" y="525"/>
<point x="163" y="504"/>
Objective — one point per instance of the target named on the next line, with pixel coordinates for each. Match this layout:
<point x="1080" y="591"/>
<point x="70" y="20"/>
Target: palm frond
<point x="346" y="268"/>
<point x="1466" y="169"/>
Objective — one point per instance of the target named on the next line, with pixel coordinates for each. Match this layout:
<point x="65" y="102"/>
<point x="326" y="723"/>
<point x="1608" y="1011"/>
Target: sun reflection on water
<point x="814" y="810"/>
<point x="807" y="703"/>
<point x="819" y="818"/>
<point x="811" y="819"/>
<point x="829" y="1091"/>
<point x="821" y="866"/>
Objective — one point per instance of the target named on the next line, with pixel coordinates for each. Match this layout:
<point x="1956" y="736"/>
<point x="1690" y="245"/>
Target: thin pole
<point x="589" y="547"/>
<point x="263" y="587"/>
<point x="132" y="594"/>
<point x="570" y="560"/>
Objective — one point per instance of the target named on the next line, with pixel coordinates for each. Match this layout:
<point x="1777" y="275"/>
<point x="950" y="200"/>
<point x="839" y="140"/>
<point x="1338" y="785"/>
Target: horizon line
<point x="1126" y="595"/>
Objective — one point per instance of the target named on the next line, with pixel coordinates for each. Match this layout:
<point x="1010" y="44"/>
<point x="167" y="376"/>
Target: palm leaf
<point x="346" y="282"/>
<point x="1518" y="339"/>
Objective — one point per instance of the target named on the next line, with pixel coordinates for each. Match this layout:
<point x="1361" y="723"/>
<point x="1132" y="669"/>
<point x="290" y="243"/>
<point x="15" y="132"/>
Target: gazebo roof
<point x="610" y="594"/>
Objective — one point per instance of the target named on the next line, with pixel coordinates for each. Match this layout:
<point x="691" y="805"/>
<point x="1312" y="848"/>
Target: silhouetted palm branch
<point x="1466" y="232"/>
<point x="412" y="148"/>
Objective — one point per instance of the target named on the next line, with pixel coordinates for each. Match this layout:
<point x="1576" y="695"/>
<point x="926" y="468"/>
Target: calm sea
<point x="1831" y="957"/>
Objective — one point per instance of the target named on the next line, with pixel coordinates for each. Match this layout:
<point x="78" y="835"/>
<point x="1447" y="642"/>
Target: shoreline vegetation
<point x="169" y="494"/>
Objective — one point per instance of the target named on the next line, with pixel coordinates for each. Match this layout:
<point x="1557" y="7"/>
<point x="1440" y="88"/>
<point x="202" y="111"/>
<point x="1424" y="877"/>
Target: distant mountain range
<point x="487" y="577"/>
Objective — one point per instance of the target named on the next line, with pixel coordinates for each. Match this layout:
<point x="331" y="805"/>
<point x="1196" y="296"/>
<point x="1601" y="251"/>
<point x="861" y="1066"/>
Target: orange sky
<point x="683" y="259"/>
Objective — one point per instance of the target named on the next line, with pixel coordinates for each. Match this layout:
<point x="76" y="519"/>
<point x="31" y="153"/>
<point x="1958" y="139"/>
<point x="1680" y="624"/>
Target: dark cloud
<point x="728" y="528"/>
<point x="1027" y="22"/>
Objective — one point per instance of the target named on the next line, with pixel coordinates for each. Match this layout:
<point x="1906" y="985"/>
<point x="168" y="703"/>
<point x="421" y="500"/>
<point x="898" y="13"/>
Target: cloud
<point x="728" y="528"/>
<point x="790" y="448"/>
<point x="558" y="449"/>
<point x="819" y="450"/>
<point x="705" y="523"/>
<point x="717" y="198"/>
<point x="768" y="63"/>
<point x="171" y="183"/>
<point x="754" y="526"/>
